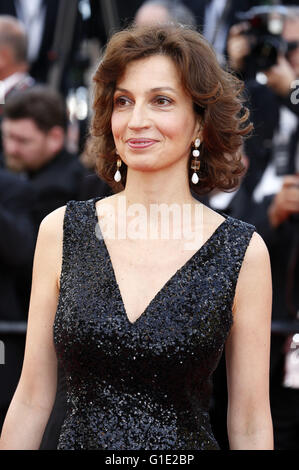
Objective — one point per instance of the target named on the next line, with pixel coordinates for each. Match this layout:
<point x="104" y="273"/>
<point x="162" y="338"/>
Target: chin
<point x="15" y="165"/>
<point x="140" y="162"/>
<point x="144" y="168"/>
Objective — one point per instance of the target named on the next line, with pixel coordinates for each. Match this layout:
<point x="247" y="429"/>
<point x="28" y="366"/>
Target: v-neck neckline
<point x="198" y="253"/>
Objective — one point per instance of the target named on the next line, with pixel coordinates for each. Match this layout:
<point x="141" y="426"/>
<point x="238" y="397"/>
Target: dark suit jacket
<point x="40" y="67"/>
<point x="17" y="242"/>
<point x="56" y="183"/>
<point x="264" y="113"/>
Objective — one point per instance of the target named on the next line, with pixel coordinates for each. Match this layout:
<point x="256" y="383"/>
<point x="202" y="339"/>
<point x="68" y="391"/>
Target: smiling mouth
<point x="140" y="143"/>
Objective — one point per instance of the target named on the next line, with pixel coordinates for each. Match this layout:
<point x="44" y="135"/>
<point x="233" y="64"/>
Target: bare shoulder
<point x="109" y="200"/>
<point x="52" y="224"/>
<point x="255" y="278"/>
<point x="256" y="262"/>
<point x="257" y="251"/>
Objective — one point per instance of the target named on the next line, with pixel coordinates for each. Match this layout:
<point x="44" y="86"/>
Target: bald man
<point x="164" y="11"/>
<point x="13" y="54"/>
<point x="14" y="66"/>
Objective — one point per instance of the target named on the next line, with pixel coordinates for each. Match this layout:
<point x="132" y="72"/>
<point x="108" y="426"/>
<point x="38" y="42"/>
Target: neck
<point x="168" y="186"/>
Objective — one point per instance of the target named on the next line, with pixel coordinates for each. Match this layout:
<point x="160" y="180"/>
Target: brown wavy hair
<point x="216" y="93"/>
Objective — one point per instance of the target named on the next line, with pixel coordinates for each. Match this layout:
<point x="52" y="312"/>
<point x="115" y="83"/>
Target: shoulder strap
<point x="76" y="217"/>
<point x="76" y="230"/>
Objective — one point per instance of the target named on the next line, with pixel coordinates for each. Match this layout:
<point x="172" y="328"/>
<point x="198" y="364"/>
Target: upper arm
<point x="248" y="345"/>
<point x="37" y="385"/>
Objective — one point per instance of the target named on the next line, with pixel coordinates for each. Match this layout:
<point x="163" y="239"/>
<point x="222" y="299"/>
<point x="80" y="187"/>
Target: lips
<point x="140" y="143"/>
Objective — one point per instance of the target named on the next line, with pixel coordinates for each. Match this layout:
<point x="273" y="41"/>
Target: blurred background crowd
<point x="48" y="52"/>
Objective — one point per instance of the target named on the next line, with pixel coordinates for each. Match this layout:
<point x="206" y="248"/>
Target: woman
<point x="140" y="322"/>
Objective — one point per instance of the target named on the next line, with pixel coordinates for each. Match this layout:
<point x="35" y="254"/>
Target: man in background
<point x="34" y="132"/>
<point x="13" y="56"/>
<point x="163" y="11"/>
<point x="14" y="66"/>
<point x="40" y="20"/>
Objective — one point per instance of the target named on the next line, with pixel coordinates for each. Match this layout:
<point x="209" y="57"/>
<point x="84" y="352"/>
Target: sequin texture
<point x="143" y="385"/>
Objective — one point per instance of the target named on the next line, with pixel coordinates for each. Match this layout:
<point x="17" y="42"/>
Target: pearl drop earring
<point x="117" y="175"/>
<point x="195" y="164"/>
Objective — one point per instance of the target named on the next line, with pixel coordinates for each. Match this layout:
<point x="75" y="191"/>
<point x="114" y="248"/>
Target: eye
<point x="121" y="101"/>
<point x="163" y="100"/>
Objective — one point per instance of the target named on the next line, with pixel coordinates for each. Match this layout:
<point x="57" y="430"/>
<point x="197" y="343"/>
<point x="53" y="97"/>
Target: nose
<point x="139" y="117"/>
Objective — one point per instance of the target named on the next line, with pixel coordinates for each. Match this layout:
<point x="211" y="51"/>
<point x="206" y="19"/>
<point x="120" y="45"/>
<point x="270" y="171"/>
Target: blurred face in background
<point x="291" y="33"/>
<point x="151" y="14"/>
<point x="26" y="147"/>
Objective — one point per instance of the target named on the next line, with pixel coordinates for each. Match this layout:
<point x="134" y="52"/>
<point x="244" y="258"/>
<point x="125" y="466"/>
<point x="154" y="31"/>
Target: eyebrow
<point x="162" y="88"/>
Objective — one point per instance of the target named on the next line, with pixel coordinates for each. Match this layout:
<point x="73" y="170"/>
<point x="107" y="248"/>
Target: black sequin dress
<point x="143" y="385"/>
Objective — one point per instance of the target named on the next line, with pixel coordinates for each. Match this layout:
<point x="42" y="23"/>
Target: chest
<point x="146" y="300"/>
<point x="141" y="270"/>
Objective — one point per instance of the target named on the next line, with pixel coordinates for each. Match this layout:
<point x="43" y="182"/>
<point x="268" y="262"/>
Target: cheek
<point x="29" y="153"/>
<point x="48" y="143"/>
<point x="179" y="129"/>
<point x="37" y="148"/>
<point x="118" y="125"/>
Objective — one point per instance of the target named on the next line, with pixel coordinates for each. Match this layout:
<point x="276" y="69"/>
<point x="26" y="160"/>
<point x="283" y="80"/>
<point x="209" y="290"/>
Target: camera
<point x="265" y="27"/>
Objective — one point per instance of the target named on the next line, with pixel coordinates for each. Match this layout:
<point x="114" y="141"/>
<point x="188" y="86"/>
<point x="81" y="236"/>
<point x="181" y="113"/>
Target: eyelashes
<point x="121" y="101"/>
<point x="160" y="101"/>
<point x="166" y="100"/>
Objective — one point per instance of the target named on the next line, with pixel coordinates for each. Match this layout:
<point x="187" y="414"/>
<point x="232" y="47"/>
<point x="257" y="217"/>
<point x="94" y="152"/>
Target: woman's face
<point x="153" y="122"/>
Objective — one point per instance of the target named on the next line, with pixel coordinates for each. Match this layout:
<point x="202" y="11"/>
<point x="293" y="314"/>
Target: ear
<point x="55" y="140"/>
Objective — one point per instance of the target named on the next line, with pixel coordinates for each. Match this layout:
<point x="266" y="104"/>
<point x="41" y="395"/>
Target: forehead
<point x="22" y="127"/>
<point x="150" y="72"/>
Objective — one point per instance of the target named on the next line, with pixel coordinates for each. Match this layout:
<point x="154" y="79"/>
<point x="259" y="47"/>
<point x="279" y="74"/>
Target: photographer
<point x="273" y="180"/>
